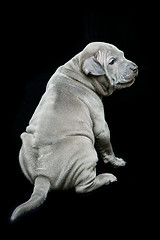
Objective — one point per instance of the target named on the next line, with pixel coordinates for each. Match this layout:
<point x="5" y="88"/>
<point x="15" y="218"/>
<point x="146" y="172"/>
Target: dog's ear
<point x="94" y="65"/>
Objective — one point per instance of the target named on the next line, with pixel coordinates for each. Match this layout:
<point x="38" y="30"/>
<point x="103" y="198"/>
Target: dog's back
<point x="59" y="138"/>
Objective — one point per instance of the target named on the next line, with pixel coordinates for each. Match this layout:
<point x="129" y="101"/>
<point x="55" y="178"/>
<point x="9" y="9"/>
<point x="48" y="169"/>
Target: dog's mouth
<point x="106" y="90"/>
<point x="128" y="81"/>
<point x="125" y="83"/>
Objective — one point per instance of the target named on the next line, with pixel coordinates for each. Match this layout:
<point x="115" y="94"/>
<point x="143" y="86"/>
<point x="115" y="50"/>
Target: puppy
<point x="58" y="147"/>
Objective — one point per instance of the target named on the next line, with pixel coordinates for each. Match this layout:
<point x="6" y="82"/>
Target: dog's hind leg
<point x="28" y="156"/>
<point x="97" y="182"/>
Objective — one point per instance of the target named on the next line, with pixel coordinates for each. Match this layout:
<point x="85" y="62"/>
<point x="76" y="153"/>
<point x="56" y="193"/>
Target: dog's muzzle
<point x="131" y="71"/>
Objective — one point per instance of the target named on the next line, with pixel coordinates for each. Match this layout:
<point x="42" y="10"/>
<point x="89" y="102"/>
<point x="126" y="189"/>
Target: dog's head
<point x="108" y="64"/>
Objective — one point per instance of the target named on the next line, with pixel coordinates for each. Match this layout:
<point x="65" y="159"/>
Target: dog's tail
<point x="41" y="188"/>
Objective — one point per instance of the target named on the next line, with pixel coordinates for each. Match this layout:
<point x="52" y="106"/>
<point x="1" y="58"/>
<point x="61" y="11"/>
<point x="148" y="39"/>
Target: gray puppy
<point x="58" y="150"/>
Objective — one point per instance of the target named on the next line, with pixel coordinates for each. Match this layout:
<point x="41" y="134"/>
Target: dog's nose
<point x="134" y="68"/>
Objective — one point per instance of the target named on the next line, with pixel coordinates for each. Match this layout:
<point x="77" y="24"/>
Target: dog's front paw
<point x="117" y="162"/>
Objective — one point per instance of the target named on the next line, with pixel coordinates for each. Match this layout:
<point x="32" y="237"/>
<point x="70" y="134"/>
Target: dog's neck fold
<point x="98" y="84"/>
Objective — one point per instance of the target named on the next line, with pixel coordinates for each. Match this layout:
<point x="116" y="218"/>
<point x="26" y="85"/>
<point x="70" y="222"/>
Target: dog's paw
<point x="117" y="162"/>
<point x="114" y="161"/>
<point x="110" y="178"/>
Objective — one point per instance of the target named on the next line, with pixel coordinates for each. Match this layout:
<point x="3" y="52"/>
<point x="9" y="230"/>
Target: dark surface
<point x="37" y="42"/>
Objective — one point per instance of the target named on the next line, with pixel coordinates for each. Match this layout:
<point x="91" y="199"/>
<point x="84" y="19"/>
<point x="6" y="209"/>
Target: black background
<point x="38" y="39"/>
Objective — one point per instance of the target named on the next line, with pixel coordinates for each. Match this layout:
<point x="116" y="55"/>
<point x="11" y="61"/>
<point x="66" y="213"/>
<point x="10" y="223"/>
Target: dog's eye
<point x="112" y="61"/>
